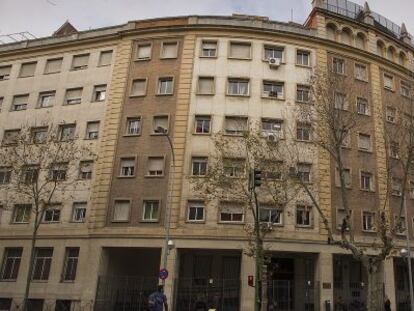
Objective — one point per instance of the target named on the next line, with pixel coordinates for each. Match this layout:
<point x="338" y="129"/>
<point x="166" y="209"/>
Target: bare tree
<point x="40" y="166"/>
<point x="336" y="118"/>
<point x="229" y="180"/>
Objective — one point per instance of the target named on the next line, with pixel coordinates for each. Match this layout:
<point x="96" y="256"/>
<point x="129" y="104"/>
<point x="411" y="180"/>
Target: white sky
<point x="43" y="17"/>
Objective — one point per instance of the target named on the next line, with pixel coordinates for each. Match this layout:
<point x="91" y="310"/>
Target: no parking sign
<point x="163" y="274"/>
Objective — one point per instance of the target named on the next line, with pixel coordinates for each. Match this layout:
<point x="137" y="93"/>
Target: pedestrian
<point x="387" y="304"/>
<point x="157" y="301"/>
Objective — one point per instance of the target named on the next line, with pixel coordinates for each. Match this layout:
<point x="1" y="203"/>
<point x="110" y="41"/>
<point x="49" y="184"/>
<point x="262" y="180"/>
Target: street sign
<point x="163" y="274"/>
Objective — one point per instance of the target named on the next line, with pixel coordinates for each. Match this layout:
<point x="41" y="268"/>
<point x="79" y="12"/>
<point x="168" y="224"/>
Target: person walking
<point x="387" y="304"/>
<point x="157" y="301"/>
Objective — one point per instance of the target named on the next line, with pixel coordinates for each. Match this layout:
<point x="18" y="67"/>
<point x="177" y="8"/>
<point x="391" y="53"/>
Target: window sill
<point x="363" y="114"/>
<point x="346" y="187"/>
<point x="303" y="102"/>
<point x="303" y="66"/>
<point x="202" y="134"/>
<point x="231" y="222"/>
<point x="195" y="221"/>
<point x="39" y="281"/>
<point x="154" y="176"/>
<point x="8" y="280"/>
<point x="26" y="77"/>
<point x="368" y="191"/>
<point x="51" y="222"/>
<point x="125" y="177"/>
<point x="396" y="195"/>
<point x="197" y="176"/>
<point x="369" y="231"/>
<point x="304" y="226"/>
<point x="233" y="135"/>
<point x="155" y="221"/>
<point x="304" y="141"/>
<point x="159" y="134"/>
<point x="137" y="96"/>
<point x="282" y="62"/>
<point x="67" y="281"/>
<point x="273" y="98"/>
<point x="40" y="107"/>
<point x="51" y="73"/>
<point x="98" y="101"/>
<point x="119" y="221"/>
<point x="205" y="94"/>
<point x="131" y="135"/>
<point x="237" y="95"/>
<point x="166" y="58"/>
<point x="91" y="138"/>
<point x="389" y="90"/>
<point x="106" y="65"/>
<point x="169" y="94"/>
<point x="365" y="151"/>
<point x="19" y="223"/>
<point x="83" y="179"/>
<point x="238" y="58"/>
<point x="207" y="57"/>
<point x="361" y="80"/>
<point x="142" y="59"/>
<point x="78" y="69"/>
<point x="77" y="222"/>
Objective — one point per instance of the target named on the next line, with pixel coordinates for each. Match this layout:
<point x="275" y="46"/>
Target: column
<point x="324" y="278"/>
<point x="389" y="282"/>
<point x="247" y="292"/>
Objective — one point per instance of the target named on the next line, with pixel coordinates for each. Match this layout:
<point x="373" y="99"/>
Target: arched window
<point x="346" y="36"/>
<point x="402" y="59"/>
<point x="331" y="32"/>
<point x="360" y="41"/>
<point x="380" y="48"/>
<point x="391" y="53"/>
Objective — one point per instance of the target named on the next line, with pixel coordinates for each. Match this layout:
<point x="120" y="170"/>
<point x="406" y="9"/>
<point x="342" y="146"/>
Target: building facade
<point x="124" y="89"/>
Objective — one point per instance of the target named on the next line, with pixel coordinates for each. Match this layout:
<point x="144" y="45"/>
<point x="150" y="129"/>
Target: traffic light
<point x="257" y="178"/>
<point x="250" y="280"/>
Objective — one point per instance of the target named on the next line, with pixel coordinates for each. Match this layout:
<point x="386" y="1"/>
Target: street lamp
<point x="168" y="244"/>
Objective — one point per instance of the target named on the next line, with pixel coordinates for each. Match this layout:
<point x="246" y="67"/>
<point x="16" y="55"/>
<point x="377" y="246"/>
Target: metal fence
<point x="123" y="293"/>
<point x="351" y="296"/>
<point x="192" y="294"/>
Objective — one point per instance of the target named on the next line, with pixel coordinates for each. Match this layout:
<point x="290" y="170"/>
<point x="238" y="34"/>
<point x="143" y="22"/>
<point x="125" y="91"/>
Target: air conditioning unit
<point x="271" y="137"/>
<point x="274" y="62"/>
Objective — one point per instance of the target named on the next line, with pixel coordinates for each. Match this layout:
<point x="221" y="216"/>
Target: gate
<point x="203" y="294"/>
<point x="115" y="293"/>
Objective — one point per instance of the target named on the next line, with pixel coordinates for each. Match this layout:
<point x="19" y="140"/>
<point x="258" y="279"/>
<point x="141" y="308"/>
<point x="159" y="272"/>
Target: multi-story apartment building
<point x="126" y="88"/>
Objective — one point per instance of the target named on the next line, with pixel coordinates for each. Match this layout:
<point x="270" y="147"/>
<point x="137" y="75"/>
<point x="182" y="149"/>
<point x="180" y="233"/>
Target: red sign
<point x="163" y="274"/>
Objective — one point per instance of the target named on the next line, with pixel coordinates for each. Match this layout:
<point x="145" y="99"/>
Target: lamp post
<point x="167" y="242"/>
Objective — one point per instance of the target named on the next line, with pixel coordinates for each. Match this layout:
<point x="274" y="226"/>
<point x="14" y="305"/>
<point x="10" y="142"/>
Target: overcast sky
<point x="43" y="17"/>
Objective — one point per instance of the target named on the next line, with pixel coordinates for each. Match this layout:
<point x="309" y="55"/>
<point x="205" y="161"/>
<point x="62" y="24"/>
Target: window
<point x="362" y="106"/>
<point x="209" y="48"/>
<point x="347" y="177"/>
<point x="233" y="167"/>
<point x="46" y="99"/>
<point x="304" y="172"/>
<point x="121" y="210"/>
<point x="235" y="125"/>
<point x="20" y="102"/>
<point x="139" y="87"/>
<point x="169" y="50"/>
<point x="368" y="221"/>
<point x="155" y="166"/>
<point x="366" y="181"/>
<point x="273" y="170"/>
<point x="411" y="189"/>
<point x="160" y="122"/>
<point x="361" y="72"/>
<point x="396" y="186"/>
<point x="391" y="114"/>
<point x="303" y="131"/>
<point x="58" y="171"/>
<point x="92" y="130"/>
<point x="394" y="150"/>
<point x="85" y="169"/>
<point x="11" y="137"/>
<point x="5" y="175"/>
<point x="36" y="304"/>
<point x="80" y="62"/>
<point x="53" y="65"/>
<point x="303" y="215"/>
<point x="127" y="167"/>
<point x="63" y="305"/>
<point x="303" y="58"/>
<point x="5" y="72"/>
<point x="231" y="213"/>
<point x="67" y="132"/>
<point x="340" y="217"/>
<point x="364" y="142"/>
<point x="99" y="93"/>
<point x="272" y="128"/>
<point x="202" y="124"/>
<point x="303" y="93"/>
<point x="70" y="264"/>
<point x="238" y="87"/>
<point x="42" y="263"/>
<point x="27" y="70"/>
<point x="21" y="213"/>
<point x="271" y="214"/>
<point x="6" y="304"/>
<point x="195" y="211"/>
<point x="271" y="51"/>
<point x="151" y="211"/>
<point x="133" y="126"/>
<point x="79" y="212"/>
<point x="241" y="50"/>
<point x="165" y="86"/>
<point x="340" y="102"/>
<point x="199" y="166"/>
<point x="144" y="51"/>
<point x="273" y="89"/>
<point x="30" y="173"/>
<point x="52" y="214"/>
<point x="338" y="66"/>
<point x="405" y="89"/>
<point x="11" y="263"/>
<point x="105" y="58"/>
<point x="388" y="82"/>
<point x="73" y="96"/>
<point x="205" y="86"/>
<point x="399" y="223"/>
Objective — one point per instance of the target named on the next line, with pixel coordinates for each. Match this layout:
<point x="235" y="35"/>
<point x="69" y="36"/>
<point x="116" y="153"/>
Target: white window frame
<point x="197" y="205"/>
<point x="157" y="213"/>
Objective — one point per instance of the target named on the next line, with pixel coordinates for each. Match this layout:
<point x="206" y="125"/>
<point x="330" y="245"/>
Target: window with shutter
<point x="99" y="93"/>
<point x="5" y="72"/>
<point x="151" y="211"/>
<point x="53" y="65"/>
<point x="80" y="62"/>
<point x="121" y="211"/>
<point x="169" y="49"/>
<point x="202" y="124"/>
<point x="205" y="85"/>
<point x="303" y="93"/>
<point x="271" y="51"/>
<point x="20" y="102"/>
<point x="273" y="89"/>
<point x="209" y="49"/>
<point x="240" y="50"/>
<point x="238" y="87"/>
<point x="302" y="58"/>
<point x="27" y="70"/>
<point x="231" y="213"/>
<point x="10" y="137"/>
<point x="85" y="169"/>
<point x="105" y="58"/>
<point x="138" y="87"/>
<point x="155" y="166"/>
<point x="165" y="86"/>
<point x="46" y="99"/>
<point x="235" y="125"/>
<point x="364" y="142"/>
<point x="67" y="132"/>
<point x="73" y="96"/>
<point x="127" y="167"/>
<point x="133" y="126"/>
<point x="92" y="130"/>
<point x="144" y="51"/>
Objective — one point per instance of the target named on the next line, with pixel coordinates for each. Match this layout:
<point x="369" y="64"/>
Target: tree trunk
<point x="30" y="270"/>
<point x="375" y="295"/>
<point x="259" y="267"/>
